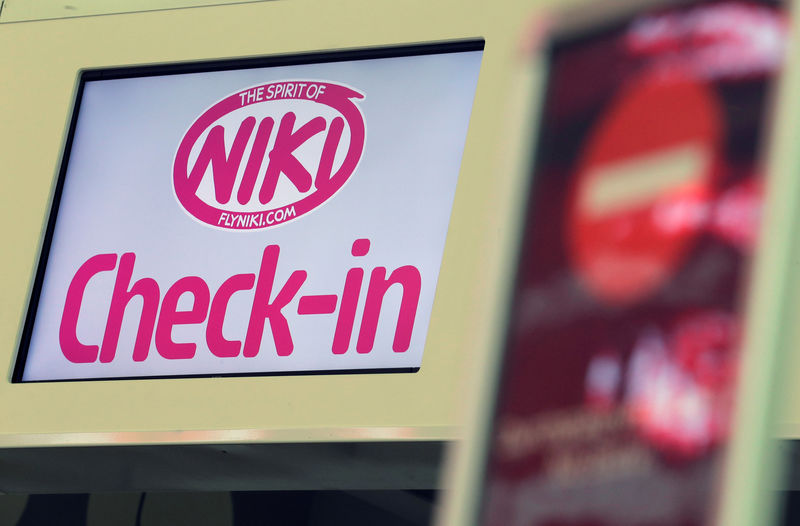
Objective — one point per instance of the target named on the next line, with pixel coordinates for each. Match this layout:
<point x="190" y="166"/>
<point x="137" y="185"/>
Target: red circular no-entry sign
<point x="643" y="186"/>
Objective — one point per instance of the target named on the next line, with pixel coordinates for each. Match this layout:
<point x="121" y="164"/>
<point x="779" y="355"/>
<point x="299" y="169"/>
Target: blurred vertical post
<point x="464" y="463"/>
<point x="755" y="469"/>
<point x="660" y="313"/>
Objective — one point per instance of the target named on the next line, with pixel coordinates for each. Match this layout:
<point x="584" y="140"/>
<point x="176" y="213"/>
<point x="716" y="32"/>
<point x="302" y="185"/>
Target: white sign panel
<point x="252" y="218"/>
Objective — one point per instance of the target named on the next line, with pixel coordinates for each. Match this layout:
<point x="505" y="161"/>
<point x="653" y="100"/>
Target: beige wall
<point x="26" y="10"/>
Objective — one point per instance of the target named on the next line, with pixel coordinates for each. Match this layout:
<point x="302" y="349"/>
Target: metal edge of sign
<point x="231" y="436"/>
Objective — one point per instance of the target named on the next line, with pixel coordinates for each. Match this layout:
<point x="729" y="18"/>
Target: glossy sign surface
<point x="272" y="217"/>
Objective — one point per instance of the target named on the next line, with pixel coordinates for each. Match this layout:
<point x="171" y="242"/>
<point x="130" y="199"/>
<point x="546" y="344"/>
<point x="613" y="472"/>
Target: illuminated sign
<point x="623" y="345"/>
<point x="253" y="217"/>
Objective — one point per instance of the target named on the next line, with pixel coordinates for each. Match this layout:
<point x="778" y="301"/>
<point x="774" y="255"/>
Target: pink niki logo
<point x="269" y="154"/>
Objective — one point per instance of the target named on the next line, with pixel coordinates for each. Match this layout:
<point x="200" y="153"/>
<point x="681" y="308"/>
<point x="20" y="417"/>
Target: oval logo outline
<point x="336" y="96"/>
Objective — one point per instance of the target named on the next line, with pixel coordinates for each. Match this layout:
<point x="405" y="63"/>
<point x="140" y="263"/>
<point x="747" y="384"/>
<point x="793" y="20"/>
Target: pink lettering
<point x="282" y="159"/>
<point x="171" y="316"/>
<point x="328" y="153"/>
<point x="73" y="349"/>
<point x="254" y="162"/>
<point x="263" y="309"/>
<point x="407" y="277"/>
<point x="224" y="167"/>
<point x="272" y="154"/>
<point x="217" y="343"/>
<point x="147" y="289"/>
<point x="158" y="317"/>
<point x="347" y="311"/>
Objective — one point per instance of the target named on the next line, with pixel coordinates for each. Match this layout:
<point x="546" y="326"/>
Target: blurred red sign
<point x="644" y="184"/>
<point x="620" y="365"/>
